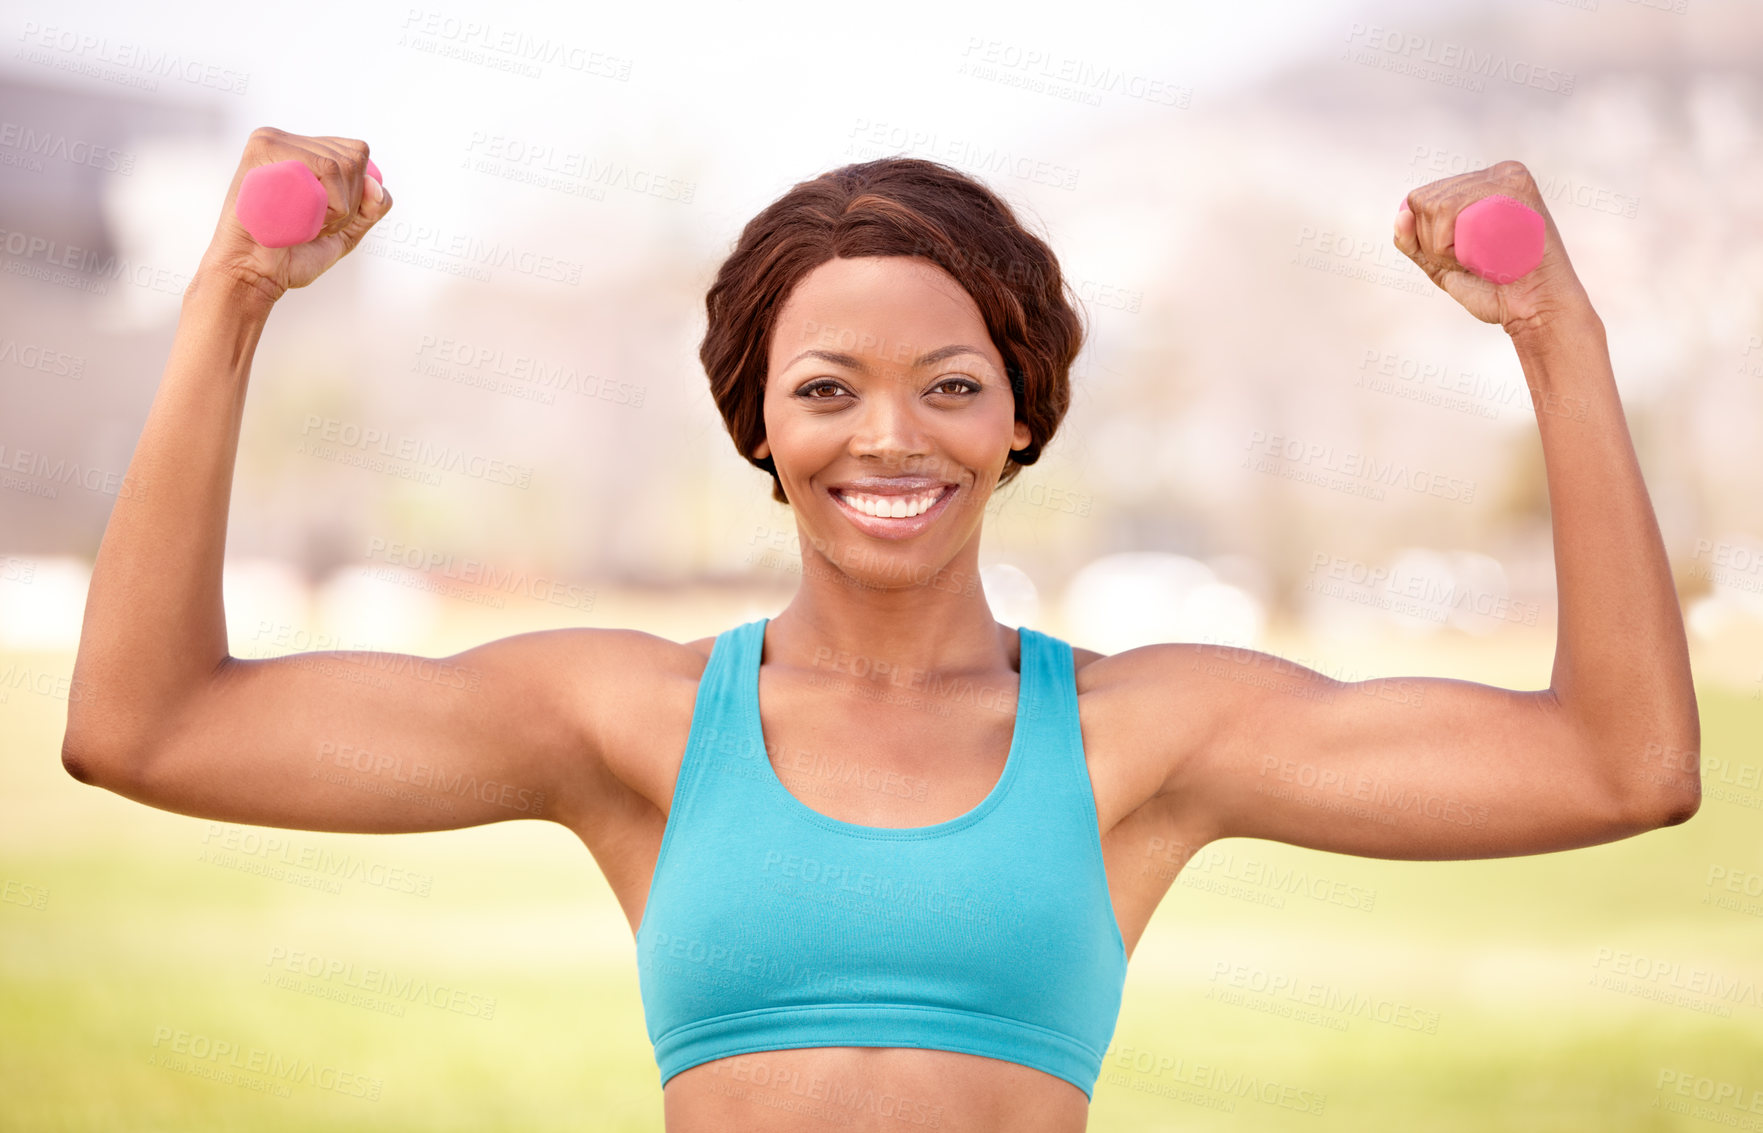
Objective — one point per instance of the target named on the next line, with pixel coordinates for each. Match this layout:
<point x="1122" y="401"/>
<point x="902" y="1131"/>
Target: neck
<point x="913" y="622"/>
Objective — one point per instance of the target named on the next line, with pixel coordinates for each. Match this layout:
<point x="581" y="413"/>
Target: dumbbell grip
<point x="1498" y="238"/>
<point x="282" y="204"/>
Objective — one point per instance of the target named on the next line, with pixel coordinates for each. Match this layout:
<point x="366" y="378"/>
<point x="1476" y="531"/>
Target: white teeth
<point x="893" y="507"/>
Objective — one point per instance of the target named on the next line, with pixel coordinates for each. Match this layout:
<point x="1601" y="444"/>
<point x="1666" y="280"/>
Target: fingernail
<point x="374" y="191"/>
<point x="1404" y="207"/>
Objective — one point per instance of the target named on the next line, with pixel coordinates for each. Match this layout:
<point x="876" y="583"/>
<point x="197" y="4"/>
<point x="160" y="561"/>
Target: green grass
<point x="139" y="938"/>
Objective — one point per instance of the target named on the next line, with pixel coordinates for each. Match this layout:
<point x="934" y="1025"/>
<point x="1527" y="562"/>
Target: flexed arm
<point x="333" y="740"/>
<point x="154" y="627"/>
<point x="1243" y="744"/>
<point x="1622" y="667"/>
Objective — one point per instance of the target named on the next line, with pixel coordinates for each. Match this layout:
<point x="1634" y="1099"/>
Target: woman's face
<point x="884" y="394"/>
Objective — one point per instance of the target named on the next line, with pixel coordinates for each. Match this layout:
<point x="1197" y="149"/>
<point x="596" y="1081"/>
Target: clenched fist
<point x="355" y="203"/>
<point x="1424" y="233"/>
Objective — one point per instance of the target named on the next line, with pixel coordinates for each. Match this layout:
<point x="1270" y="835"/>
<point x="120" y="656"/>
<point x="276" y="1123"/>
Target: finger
<point x="1435" y="224"/>
<point x="1406" y="242"/>
<point x="341" y="165"/>
<point x="1471" y="290"/>
<point x="368" y="215"/>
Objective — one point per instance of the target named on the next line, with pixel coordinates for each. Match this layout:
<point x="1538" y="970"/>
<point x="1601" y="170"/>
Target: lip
<point x="889" y="528"/>
<point x="891" y="485"/>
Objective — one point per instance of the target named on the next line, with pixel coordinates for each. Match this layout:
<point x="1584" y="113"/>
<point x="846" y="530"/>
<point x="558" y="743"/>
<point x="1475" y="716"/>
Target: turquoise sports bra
<point x="771" y="926"/>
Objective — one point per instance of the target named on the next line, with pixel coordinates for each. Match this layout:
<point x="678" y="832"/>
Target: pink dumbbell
<point x="1498" y="238"/>
<point x="282" y="203"/>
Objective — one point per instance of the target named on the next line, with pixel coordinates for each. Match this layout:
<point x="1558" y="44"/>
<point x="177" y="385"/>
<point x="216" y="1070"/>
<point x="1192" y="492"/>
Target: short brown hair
<point x="894" y="206"/>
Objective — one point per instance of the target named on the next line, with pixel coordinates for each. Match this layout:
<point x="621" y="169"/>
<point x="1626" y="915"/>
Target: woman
<point x="942" y="938"/>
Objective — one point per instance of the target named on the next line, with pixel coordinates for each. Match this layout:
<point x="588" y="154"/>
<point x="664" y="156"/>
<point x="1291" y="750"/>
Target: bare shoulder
<point x="1145" y="713"/>
<point x="636" y="691"/>
<point x="1162" y="680"/>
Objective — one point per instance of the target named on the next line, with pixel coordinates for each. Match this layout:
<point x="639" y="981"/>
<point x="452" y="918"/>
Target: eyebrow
<point x="851" y="361"/>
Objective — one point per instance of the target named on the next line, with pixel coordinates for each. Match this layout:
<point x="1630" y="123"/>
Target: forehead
<point x="876" y="304"/>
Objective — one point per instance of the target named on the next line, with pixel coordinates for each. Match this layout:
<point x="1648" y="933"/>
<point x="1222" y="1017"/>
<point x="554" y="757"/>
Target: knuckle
<point x="328" y="166"/>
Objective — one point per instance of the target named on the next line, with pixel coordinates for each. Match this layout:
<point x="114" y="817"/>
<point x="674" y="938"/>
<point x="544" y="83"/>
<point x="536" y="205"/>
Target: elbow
<point x="1672" y="809"/>
<point x="1669" y="791"/>
<point x="1682" y="798"/>
<point x="77" y="760"/>
<point x="83" y="760"/>
<point x="1684" y="809"/>
<point x="1670" y="801"/>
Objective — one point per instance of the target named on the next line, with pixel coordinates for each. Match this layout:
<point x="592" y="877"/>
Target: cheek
<point x="801" y="446"/>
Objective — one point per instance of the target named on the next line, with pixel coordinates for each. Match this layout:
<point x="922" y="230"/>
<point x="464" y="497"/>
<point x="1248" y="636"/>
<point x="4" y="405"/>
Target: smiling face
<point x="888" y="414"/>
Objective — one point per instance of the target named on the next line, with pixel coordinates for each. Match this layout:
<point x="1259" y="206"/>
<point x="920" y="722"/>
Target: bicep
<point x="1403" y="767"/>
<point x="372" y="742"/>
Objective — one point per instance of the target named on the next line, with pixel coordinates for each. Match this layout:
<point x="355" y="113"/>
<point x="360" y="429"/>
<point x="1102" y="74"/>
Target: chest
<point x="770" y="893"/>
<point x="875" y="754"/>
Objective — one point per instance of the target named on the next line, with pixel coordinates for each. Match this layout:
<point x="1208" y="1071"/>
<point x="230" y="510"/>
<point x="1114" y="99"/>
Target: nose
<point x="890" y="424"/>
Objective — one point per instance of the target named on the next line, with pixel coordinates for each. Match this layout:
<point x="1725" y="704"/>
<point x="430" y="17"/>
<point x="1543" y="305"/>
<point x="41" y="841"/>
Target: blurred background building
<point x="491" y="418"/>
<point x="565" y="191"/>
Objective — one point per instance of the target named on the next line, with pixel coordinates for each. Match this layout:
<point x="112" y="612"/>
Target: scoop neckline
<point x="1025" y="688"/>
